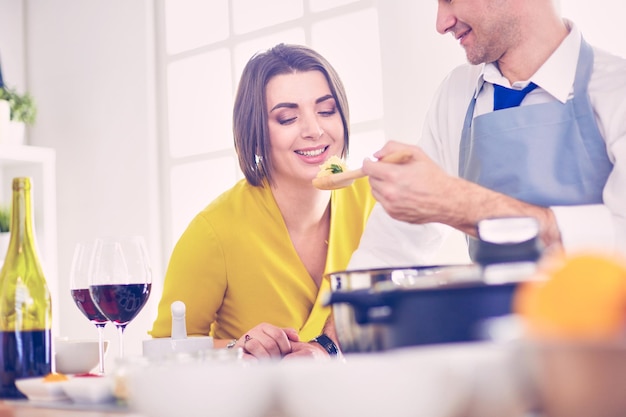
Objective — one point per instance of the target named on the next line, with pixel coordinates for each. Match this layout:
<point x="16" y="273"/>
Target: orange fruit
<point x="55" y="377"/>
<point x="581" y="297"/>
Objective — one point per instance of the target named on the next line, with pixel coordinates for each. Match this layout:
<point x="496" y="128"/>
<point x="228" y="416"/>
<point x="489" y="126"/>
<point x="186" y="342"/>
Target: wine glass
<point x="120" y="279"/>
<point x="79" y="289"/>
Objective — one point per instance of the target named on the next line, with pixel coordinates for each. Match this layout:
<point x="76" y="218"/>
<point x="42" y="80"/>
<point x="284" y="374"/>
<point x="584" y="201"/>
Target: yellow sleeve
<point x="196" y="275"/>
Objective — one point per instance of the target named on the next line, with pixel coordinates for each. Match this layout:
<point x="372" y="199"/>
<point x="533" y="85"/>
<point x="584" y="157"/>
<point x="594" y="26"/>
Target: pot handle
<point x="368" y="307"/>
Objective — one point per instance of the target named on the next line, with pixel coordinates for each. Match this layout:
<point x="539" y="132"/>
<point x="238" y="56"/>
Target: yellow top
<point x="235" y="266"/>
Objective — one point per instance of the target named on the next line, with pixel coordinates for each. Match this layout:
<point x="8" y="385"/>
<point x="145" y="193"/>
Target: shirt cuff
<point x="586" y="228"/>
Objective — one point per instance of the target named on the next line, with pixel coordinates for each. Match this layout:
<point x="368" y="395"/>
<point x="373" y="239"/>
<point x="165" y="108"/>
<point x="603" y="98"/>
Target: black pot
<point x="364" y="337"/>
<point x="445" y="306"/>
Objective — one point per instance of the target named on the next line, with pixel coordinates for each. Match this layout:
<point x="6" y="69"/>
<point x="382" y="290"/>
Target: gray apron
<point x="549" y="154"/>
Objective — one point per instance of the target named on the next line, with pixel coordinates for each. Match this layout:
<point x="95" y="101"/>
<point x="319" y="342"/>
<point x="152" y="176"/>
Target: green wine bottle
<point x="25" y="306"/>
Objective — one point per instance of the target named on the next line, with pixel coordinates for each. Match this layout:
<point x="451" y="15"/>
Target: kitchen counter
<point x="24" y="408"/>
<point x="415" y="378"/>
<point x="411" y="381"/>
<point x="469" y="380"/>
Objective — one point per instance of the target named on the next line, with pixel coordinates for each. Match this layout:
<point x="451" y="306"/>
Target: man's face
<point x="486" y="29"/>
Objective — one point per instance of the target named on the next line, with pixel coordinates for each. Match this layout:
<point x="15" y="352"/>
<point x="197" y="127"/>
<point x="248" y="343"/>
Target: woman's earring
<point x="258" y="159"/>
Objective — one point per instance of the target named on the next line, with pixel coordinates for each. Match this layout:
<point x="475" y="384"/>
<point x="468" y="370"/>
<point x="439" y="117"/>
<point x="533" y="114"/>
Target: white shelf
<point x="18" y="154"/>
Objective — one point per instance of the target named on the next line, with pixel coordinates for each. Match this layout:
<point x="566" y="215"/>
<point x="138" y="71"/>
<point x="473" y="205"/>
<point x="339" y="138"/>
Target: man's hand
<point x="417" y="191"/>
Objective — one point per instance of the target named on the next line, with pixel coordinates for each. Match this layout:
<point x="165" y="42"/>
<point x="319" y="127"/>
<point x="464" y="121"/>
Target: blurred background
<point x="135" y="98"/>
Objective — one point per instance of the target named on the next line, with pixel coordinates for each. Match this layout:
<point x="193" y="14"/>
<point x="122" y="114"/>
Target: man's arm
<point x="420" y="192"/>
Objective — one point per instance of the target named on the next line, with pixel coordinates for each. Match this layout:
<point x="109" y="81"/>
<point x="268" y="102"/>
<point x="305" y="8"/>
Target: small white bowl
<point x="199" y="389"/>
<point x="89" y="390"/>
<point x="36" y="389"/>
<point x="161" y="348"/>
<point x="415" y="383"/>
<point x="76" y="356"/>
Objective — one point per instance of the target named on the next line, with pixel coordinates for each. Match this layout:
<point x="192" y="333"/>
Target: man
<point x="558" y="157"/>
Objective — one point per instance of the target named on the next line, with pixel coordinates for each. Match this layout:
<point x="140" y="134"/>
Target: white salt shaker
<point x="179" y="327"/>
<point x="178" y="342"/>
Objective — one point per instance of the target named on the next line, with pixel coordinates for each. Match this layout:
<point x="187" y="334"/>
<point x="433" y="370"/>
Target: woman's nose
<point x="311" y="127"/>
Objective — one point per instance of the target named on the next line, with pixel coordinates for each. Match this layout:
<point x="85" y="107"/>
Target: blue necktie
<point x="503" y="97"/>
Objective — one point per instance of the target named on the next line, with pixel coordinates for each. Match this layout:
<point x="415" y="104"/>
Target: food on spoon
<point x="55" y="377"/>
<point x="333" y="165"/>
<point x="576" y="297"/>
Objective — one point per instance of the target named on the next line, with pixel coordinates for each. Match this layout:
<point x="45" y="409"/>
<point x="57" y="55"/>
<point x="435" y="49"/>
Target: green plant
<point x="23" y="108"/>
<point x="5" y="219"/>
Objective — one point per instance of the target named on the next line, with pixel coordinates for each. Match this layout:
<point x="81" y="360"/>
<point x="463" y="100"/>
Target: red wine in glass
<point x="120" y="302"/>
<point x="85" y="304"/>
<point x="79" y="290"/>
<point x="120" y="279"/>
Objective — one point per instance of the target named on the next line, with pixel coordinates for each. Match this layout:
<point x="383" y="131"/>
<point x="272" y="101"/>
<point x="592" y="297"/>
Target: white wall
<point x="90" y="66"/>
<point x="415" y="60"/>
<point x="12" y="43"/>
<point x="600" y="21"/>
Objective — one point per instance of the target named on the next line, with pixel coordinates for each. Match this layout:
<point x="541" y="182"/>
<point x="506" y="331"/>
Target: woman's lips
<point x="313" y="156"/>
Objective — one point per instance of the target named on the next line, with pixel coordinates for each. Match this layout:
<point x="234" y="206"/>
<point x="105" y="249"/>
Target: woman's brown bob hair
<point x="250" y="114"/>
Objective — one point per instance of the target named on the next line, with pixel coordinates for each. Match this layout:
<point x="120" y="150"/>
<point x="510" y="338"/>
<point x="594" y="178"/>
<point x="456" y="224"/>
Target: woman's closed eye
<point x="328" y="112"/>
<point x="286" y="121"/>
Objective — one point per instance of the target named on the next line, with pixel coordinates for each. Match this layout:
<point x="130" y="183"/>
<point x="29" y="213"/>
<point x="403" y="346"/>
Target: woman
<point x="250" y="267"/>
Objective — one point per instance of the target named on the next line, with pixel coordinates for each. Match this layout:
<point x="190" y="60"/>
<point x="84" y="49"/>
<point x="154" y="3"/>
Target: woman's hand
<point x="311" y="350"/>
<point x="266" y="341"/>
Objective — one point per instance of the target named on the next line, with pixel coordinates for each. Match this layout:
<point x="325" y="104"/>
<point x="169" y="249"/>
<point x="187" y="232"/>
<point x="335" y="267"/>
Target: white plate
<point x="89" y="390"/>
<point x="36" y="389"/>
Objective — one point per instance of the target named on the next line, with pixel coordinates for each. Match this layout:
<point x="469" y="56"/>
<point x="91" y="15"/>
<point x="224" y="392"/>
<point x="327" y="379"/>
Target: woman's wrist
<point x="327" y="343"/>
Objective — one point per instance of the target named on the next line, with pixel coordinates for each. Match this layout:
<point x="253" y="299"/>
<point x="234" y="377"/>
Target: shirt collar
<point x="556" y="76"/>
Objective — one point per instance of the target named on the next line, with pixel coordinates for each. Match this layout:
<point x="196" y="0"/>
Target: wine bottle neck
<point x="25" y="304"/>
<point x="22" y="229"/>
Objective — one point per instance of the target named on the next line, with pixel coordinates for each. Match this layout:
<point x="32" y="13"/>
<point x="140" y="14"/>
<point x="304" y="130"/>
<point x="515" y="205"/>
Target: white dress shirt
<point x="587" y="227"/>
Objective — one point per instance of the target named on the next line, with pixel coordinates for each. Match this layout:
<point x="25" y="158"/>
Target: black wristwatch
<point x="328" y="344"/>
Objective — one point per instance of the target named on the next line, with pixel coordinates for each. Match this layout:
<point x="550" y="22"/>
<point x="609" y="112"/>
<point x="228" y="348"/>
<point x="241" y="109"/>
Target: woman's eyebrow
<point x="294" y="105"/>
<point x="284" y="105"/>
<point x="324" y="98"/>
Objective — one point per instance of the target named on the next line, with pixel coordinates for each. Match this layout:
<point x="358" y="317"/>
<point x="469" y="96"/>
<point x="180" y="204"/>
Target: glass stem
<point x="120" y="328"/>
<point x="100" y="327"/>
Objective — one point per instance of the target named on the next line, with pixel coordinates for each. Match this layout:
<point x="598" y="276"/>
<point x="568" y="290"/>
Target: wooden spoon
<point x="343" y="179"/>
